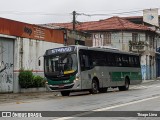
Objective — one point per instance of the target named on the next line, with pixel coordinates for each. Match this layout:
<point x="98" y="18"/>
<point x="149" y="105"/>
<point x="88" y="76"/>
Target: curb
<point x="146" y="81"/>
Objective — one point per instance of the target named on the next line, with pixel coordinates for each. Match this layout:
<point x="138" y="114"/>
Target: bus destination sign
<point x="60" y="50"/>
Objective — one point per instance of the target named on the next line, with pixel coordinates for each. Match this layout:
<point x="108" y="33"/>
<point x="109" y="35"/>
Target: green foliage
<point x="25" y="78"/>
<point x="132" y="43"/>
<point x="28" y="80"/>
<point x="38" y="81"/>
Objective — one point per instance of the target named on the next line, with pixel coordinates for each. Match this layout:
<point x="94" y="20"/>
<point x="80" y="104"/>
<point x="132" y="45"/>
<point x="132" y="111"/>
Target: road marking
<point x="125" y="104"/>
<point x="107" y="108"/>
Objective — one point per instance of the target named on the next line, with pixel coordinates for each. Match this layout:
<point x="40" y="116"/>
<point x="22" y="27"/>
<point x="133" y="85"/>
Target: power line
<point x="135" y="9"/>
<point x="85" y="14"/>
<point x="115" y="13"/>
<point x="32" y="13"/>
<point x="109" y="14"/>
<point x="97" y="15"/>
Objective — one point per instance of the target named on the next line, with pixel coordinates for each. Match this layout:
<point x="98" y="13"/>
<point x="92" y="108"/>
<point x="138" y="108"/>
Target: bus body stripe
<point x="59" y="82"/>
<point x="120" y="76"/>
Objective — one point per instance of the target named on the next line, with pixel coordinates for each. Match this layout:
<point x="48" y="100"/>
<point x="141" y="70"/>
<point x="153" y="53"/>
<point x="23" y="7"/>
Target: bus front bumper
<point x="59" y="87"/>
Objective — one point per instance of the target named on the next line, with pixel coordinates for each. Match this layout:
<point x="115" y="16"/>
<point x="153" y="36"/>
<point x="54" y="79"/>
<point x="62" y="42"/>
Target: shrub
<point x="28" y="80"/>
<point x="25" y="78"/>
<point x="38" y="81"/>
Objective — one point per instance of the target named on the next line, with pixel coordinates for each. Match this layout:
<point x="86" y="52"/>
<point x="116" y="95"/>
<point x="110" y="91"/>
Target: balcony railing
<point x="137" y="46"/>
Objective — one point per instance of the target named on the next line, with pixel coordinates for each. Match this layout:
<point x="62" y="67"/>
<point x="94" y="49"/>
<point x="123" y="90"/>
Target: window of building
<point x="151" y="41"/>
<point x="135" y="37"/>
<point x="107" y="39"/>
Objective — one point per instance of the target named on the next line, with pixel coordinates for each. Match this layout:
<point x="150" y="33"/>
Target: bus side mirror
<point x="39" y="62"/>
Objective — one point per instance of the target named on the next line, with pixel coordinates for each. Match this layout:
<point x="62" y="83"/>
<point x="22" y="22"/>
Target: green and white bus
<point x="79" y="68"/>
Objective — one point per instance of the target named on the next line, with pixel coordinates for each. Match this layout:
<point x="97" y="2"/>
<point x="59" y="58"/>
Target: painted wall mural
<point x="143" y="71"/>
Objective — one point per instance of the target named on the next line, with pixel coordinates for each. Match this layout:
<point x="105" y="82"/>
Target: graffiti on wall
<point x="6" y="76"/>
<point x="143" y="71"/>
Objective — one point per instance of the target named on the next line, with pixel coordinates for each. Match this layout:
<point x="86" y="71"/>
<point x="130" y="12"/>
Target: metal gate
<point x="6" y="65"/>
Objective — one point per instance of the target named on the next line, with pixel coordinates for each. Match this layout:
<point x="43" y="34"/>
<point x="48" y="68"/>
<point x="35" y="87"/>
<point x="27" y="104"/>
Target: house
<point x="22" y="45"/>
<point x="72" y="37"/>
<point x="124" y="35"/>
<point x="139" y="20"/>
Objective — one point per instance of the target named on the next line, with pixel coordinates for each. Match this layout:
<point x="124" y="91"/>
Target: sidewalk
<point x="146" y="81"/>
<point x="22" y="97"/>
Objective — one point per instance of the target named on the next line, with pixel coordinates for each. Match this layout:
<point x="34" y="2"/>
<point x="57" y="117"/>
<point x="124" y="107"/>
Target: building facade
<point x="71" y="37"/>
<point x="22" y="46"/>
<point x="133" y="41"/>
<point x="120" y="33"/>
<point x="139" y="20"/>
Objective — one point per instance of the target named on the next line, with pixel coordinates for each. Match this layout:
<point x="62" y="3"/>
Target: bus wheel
<point x="65" y="93"/>
<point x="103" y="90"/>
<point x="94" y="89"/>
<point x="125" y="87"/>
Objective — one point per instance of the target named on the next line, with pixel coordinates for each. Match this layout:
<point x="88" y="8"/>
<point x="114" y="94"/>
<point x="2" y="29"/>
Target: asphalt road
<point x="141" y="102"/>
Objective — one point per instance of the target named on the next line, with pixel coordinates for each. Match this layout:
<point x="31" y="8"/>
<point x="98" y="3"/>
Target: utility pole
<point x="74" y="19"/>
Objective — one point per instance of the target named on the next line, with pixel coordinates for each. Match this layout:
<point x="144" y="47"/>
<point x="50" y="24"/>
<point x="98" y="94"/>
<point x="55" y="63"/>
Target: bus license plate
<point x="61" y="86"/>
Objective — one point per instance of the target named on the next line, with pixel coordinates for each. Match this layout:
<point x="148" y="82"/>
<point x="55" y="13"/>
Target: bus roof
<point x="105" y="49"/>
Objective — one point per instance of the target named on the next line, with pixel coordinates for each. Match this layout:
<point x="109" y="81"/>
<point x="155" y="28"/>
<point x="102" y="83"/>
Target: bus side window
<point x="118" y="60"/>
<point x="84" y="62"/>
<point x="125" y="61"/>
<point x="98" y="58"/>
<point x="131" y="61"/>
<point x="46" y="66"/>
<point x="110" y="59"/>
<point x="136" y="61"/>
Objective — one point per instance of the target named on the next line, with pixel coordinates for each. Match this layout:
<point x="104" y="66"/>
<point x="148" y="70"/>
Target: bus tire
<point x="65" y="93"/>
<point x="94" y="89"/>
<point x="125" y="87"/>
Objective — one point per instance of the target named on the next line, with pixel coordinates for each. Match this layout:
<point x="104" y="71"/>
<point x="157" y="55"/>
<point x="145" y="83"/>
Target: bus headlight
<point x="77" y="78"/>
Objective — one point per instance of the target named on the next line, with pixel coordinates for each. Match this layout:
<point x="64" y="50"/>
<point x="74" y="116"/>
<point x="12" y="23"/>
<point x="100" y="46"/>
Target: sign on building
<point x="151" y="16"/>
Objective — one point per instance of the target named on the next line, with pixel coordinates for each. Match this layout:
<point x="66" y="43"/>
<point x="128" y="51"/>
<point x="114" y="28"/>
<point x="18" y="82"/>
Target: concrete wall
<point x="74" y="36"/>
<point x="6" y="64"/>
<point x="27" y="52"/>
<point x="121" y="40"/>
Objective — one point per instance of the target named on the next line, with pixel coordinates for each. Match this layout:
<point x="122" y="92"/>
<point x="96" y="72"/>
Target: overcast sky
<point x="50" y="11"/>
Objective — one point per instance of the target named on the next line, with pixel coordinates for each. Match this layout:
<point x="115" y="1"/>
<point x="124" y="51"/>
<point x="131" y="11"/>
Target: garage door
<point x="6" y="65"/>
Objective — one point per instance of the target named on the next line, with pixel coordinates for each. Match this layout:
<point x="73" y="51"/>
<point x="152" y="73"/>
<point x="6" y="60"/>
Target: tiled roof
<point x="133" y="17"/>
<point x="113" y="23"/>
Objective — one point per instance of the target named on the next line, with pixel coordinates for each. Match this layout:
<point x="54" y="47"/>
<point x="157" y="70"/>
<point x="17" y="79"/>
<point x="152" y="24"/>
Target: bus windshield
<point x="60" y="64"/>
